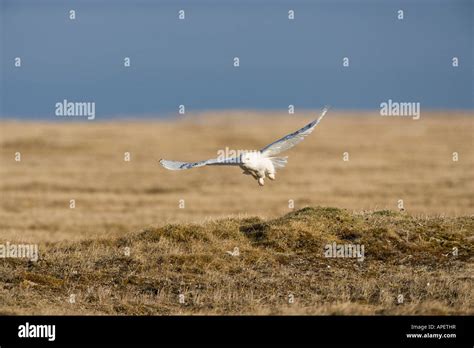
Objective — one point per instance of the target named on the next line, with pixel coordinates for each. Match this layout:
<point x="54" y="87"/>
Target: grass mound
<point x="412" y="265"/>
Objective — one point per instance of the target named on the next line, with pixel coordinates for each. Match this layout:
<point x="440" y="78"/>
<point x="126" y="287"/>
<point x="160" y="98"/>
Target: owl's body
<point x="260" y="166"/>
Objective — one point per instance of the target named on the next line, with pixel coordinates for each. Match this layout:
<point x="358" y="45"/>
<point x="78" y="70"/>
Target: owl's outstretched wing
<point x="292" y="139"/>
<point x="176" y="165"/>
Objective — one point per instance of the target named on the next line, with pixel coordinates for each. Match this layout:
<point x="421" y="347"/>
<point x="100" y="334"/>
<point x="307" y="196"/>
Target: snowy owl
<point x="259" y="164"/>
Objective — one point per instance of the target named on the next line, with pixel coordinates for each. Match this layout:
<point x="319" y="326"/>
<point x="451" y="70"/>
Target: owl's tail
<point x="279" y="162"/>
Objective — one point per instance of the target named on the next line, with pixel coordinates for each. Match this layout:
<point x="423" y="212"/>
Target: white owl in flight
<point x="259" y="164"/>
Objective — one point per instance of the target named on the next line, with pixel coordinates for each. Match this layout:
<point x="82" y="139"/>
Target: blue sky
<point x="190" y="61"/>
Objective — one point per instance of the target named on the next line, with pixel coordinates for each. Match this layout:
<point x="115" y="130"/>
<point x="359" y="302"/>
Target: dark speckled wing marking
<point x="176" y="165"/>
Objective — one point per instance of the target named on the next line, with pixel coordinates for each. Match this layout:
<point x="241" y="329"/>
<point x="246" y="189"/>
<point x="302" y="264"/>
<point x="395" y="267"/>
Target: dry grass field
<point x="134" y="207"/>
